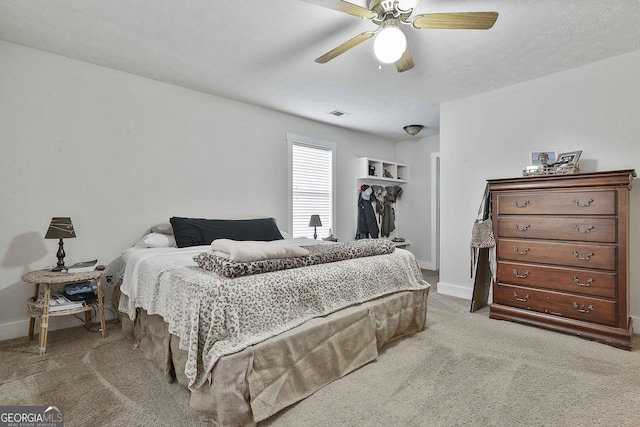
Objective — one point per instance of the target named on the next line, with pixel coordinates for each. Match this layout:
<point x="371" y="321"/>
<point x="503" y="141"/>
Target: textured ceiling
<point x="262" y="52"/>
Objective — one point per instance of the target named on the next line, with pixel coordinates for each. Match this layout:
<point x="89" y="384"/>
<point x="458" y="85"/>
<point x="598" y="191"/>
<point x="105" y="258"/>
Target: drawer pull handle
<point x="526" y="250"/>
<point x="525" y="228"/>
<point x="520" y="206"/>
<point x="587" y="231"/>
<point x="587" y="258"/>
<point x="589" y="282"/>
<point x="523" y="276"/>
<point x="525" y="299"/>
<point x="582" y="310"/>
<point x="578" y="204"/>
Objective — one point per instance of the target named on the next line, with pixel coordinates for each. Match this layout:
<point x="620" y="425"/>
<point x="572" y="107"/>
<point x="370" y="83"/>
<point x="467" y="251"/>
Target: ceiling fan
<point x="390" y="44"/>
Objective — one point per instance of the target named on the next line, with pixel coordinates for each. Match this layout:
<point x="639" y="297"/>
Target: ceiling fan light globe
<point x="389" y="45"/>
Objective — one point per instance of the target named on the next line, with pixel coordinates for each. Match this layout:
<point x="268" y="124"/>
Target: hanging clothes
<point x="388" y="220"/>
<point x="378" y="200"/>
<point x="393" y="193"/>
<point x="367" y="224"/>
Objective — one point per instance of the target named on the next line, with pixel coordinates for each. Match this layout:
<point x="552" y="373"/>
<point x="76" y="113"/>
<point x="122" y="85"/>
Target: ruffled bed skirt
<point x="255" y="383"/>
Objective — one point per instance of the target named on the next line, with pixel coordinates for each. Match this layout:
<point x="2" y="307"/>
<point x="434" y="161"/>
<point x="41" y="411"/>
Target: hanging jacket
<point x="388" y="219"/>
<point x="367" y="224"/>
<point x="388" y="213"/>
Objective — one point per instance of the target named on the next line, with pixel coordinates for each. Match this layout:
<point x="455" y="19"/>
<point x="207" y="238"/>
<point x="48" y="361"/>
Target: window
<point x="311" y="184"/>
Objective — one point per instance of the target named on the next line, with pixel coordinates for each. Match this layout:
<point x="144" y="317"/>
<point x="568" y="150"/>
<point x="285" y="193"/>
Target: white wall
<point x="594" y="108"/>
<point x="119" y="153"/>
<point x="414" y="216"/>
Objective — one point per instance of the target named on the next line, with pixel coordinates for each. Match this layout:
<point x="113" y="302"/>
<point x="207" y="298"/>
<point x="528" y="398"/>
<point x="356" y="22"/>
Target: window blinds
<point x="312" y="188"/>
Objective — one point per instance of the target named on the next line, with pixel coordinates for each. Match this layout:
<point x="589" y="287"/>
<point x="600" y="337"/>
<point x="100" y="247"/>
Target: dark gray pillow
<point x="200" y="231"/>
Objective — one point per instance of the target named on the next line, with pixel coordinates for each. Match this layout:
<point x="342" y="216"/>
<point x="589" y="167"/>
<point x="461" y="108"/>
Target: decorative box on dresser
<point x="562" y="253"/>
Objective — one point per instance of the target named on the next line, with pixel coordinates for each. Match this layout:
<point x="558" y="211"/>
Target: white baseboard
<point x="20" y="328"/>
<point x="455" y="291"/>
<point x="14" y="329"/>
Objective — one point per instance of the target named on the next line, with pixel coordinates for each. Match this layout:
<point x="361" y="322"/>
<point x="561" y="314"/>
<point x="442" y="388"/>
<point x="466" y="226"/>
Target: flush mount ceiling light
<point x="413" y="129"/>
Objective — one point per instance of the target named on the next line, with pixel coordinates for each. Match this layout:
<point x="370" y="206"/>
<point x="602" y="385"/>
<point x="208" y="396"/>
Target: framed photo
<point x="570" y="158"/>
<point x="542" y="157"/>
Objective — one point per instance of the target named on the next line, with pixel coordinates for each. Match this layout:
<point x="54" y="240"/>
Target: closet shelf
<point x="382" y="171"/>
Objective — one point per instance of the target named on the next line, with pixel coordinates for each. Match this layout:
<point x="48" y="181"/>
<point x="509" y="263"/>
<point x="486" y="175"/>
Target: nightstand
<point x="50" y="278"/>
<point x="402" y="245"/>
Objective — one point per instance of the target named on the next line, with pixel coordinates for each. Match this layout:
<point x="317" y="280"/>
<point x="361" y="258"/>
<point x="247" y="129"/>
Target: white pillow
<point x="286" y="235"/>
<point x="157" y="240"/>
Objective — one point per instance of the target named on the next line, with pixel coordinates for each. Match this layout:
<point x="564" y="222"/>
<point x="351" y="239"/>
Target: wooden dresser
<point x="562" y="252"/>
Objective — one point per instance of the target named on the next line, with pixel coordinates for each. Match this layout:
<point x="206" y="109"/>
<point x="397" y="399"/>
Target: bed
<point x="249" y="338"/>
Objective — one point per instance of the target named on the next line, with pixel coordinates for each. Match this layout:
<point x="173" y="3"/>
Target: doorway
<point x="435" y="211"/>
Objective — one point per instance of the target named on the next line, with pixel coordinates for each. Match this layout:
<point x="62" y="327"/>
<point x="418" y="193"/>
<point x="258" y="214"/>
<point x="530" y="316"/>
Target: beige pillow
<point x="162" y="228"/>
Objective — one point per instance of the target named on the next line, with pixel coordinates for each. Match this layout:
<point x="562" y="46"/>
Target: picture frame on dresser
<point x="542" y="157"/>
<point x="570" y="158"/>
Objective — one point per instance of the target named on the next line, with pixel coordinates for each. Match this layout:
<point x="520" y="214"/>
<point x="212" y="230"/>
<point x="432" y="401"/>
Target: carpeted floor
<point x="462" y="370"/>
<point x="99" y="381"/>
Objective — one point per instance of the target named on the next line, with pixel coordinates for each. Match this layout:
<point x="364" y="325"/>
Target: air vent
<point x="338" y="113"/>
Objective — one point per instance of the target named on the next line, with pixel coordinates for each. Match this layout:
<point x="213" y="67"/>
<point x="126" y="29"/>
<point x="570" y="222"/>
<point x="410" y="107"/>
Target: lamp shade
<point x="314" y="221"/>
<point x="60" y="228"/>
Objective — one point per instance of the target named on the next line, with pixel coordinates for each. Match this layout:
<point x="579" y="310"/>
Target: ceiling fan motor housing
<point x="380" y="7"/>
<point x="388" y="9"/>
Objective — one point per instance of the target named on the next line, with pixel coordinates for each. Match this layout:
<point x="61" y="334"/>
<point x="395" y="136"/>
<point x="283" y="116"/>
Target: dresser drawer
<point x="584" y="255"/>
<point x="557" y="203"/>
<point x="583" y="229"/>
<point x="558" y="278"/>
<point x="561" y="304"/>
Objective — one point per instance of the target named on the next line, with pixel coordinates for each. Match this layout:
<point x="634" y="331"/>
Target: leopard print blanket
<point x="318" y="254"/>
<point x="215" y="315"/>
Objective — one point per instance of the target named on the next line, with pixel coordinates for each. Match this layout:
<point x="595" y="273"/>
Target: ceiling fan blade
<point x="345" y="47"/>
<point x="343" y="6"/>
<point x="455" y="21"/>
<point x="405" y="62"/>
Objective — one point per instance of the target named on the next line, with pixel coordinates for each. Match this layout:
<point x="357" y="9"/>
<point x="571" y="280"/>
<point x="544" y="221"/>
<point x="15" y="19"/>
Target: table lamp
<point x="60" y="228"/>
<point x="315" y="222"/>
